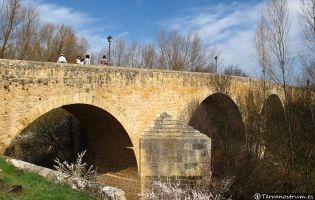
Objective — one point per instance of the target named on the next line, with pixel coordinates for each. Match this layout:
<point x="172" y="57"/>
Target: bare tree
<point x="26" y="35"/>
<point x="44" y="46"/>
<point x="278" y="25"/>
<point x="126" y="55"/>
<point x="234" y="70"/>
<point x="204" y="59"/>
<point x="149" y="56"/>
<point x="307" y="24"/>
<point x="195" y="60"/>
<point x="178" y="52"/>
<point x="261" y="46"/>
<point x="133" y="55"/>
<point x="23" y="37"/>
<point x="82" y="46"/>
<point x="118" y="52"/>
<point x="273" y="35"/>
<point x="56" y="39"/>
<point x="172" y="50"/>
<point x="263" y="57"/>
<point x="307" y="19"/>
<point x="10" y="18"/>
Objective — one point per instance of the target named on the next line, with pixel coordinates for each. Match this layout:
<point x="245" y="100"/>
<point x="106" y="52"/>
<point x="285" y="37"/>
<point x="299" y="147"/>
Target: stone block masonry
<point x="170" y="149"/>
<point x="132" y="99"/>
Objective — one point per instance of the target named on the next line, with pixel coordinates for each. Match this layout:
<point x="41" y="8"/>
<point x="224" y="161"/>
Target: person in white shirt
<point x="87" y="60"/>
<point x="78" y="60"/>
<point x="61" y="59"/>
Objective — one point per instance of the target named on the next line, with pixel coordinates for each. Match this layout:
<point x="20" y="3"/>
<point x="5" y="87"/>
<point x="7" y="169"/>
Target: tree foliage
<point x="173" y="51"/>
<point x="23" y="36"/>
<point x="234" y="70"/>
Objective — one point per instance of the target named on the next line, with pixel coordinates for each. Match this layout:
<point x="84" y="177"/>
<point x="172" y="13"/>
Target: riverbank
<point x="17" y="184"/>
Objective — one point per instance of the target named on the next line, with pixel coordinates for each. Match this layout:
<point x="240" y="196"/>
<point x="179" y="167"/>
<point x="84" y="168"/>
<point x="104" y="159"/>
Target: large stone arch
<point x="80" y="105"/>
<point x="219" y="117"/>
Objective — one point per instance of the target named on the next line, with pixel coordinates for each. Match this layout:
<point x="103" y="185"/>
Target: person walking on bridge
<point x="87" y="60"/>
<point x="62" y="59"/>
<point x="104" y="61"/>
<point x="78" y="60"/>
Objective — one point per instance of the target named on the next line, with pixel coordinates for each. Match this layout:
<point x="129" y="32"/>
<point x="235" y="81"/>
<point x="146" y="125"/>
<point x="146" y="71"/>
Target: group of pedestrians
<point x="83" y="61"/>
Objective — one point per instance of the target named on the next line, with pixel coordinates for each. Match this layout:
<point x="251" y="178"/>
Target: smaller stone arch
<point x="272" y="97"/>
<point x="219" y="118"/>
<point x="273" y="123"/>
<point x="273" y="108"/>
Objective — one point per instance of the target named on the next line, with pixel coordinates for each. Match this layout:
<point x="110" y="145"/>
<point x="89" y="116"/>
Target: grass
<point x="34" y="187"/>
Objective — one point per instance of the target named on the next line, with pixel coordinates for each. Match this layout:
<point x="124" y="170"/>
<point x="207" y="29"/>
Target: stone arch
<point x="234" y="96"/>
<point x="273" y="97"/>
<point x="273" y="107"/>
<point x="219" y="118"/>
<point x="273" y="119"/>
<point x="87" y="108"/>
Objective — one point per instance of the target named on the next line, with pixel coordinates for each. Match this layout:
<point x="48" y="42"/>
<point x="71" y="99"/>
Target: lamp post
<point x="109" y="40"/>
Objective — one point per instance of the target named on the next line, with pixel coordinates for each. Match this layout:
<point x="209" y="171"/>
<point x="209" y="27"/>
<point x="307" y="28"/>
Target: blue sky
<point x="229" y="25"/>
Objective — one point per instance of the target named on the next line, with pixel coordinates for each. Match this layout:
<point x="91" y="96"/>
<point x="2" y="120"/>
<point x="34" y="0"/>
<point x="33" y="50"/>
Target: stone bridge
<point x="133" y="116"/>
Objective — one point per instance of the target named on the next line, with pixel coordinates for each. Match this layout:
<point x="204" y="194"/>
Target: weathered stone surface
<point x="113" y="193"/>
<point x="56" y="134"/>
<point x="170" y="149"/>
<point x="45" y="172"/>
<point x="135" y="97"/>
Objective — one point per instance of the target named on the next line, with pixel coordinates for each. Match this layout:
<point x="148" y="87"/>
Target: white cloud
<point x="230" y="26"/>
<point x="122" y="35"/>
<point x="53" y="13"/>
<point x="84" y="24"/>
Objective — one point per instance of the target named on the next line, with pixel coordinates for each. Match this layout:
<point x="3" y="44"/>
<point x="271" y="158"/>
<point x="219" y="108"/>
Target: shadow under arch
<point x="220" y="119"/>
<point x="273" y="100"/>
<point x="109" y="147"/>
<point x="273" y="117"/>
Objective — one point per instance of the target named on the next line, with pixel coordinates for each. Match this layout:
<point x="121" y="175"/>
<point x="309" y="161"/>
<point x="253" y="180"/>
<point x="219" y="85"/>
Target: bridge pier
<point x="171" y="151"/>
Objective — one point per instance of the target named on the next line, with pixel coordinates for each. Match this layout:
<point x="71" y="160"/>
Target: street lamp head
<point x="109" y="39"/>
